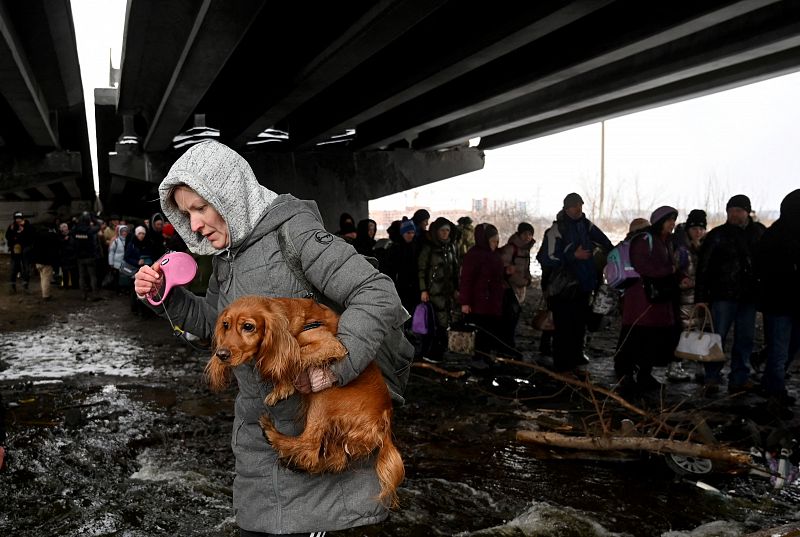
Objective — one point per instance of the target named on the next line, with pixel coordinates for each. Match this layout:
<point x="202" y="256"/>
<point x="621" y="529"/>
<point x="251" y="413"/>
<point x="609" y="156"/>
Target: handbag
<point x="461" y="339"/>
<point x="422" y="322"/>
<point x="126" y="269"/>
<point x="543" y="318"/>
<point x="604" y="299"/>
<point x="698" y="345"/>
<point x="562" y="283"/>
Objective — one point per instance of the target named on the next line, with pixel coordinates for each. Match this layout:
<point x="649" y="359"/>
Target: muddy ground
<point x="148" y="453"/>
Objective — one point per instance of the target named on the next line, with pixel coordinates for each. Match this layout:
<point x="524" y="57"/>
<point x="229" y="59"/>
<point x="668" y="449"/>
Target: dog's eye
<point x="225" y="325"/>
<point x="248" y="327"/>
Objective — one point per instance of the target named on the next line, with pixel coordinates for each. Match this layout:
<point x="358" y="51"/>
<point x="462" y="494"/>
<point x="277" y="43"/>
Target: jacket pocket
<point x="238" y="423"/>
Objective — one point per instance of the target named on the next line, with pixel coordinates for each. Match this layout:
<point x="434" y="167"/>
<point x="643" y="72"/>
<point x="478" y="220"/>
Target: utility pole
<point x="602" y="167"/>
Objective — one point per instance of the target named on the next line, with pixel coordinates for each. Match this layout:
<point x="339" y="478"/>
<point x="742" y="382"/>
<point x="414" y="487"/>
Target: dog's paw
<point x="267" y="426"/>
<point x="280" y="391"/>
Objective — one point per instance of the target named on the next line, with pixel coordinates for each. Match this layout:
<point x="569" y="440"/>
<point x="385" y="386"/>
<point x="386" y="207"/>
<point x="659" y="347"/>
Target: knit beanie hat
<point x="696" y="218"/>
<point x="420" y="215"/>
<point x="662" y="213"/>
<point x="406" y="226"/>
<point x="572" y="200"/>
<point x="140" y="229"/>
<point x="739" y="200"/>
<point x="464" y="221"/>
<point x="523" y="227"/>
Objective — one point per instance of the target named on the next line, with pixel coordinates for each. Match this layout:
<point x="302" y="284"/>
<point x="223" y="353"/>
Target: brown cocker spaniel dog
<point x="284" y="337"/>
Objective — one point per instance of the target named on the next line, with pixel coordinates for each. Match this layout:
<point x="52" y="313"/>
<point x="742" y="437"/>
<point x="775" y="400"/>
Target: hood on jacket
<point x="433" y="229"/>
<point x="363" y="229"/>
<point x="790" y="210"/>
<point x="484" y="232"/>
<point x="225" y="180"/>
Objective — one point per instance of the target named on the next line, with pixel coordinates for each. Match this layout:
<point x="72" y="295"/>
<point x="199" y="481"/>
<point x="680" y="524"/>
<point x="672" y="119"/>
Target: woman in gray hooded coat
<point x="219" y="208"/>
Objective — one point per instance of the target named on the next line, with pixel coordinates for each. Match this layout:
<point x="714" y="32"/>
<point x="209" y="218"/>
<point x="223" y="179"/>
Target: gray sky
<point x="692" y="154"/>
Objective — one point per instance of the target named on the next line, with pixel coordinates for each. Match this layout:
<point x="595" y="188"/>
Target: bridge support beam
<point x="338" y="182"/>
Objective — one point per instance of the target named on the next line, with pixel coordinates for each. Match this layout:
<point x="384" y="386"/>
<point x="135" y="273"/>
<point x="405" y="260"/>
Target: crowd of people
<point x="732" y="271"/>
<point x="86" y="253"/>
<point x="467" y="278"/>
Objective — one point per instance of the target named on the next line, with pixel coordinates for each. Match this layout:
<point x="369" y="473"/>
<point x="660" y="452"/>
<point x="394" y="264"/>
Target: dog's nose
<point x="223" y="354"/>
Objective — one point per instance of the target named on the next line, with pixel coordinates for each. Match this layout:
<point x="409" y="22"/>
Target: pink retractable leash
<point x="177" y="268"/>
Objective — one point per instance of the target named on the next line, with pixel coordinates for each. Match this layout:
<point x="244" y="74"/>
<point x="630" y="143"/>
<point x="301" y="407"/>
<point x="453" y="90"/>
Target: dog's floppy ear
<point x="279" y="354"/>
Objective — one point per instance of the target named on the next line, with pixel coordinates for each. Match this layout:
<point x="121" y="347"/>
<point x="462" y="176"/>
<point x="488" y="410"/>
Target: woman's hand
<point x="148" y="280"/>
<point x="425" y="297"/>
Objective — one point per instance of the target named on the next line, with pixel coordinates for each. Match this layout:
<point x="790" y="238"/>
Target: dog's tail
<point x="390" y="465"/>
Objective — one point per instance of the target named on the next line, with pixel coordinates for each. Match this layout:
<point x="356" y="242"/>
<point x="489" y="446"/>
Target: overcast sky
<point x="693" y="154"/>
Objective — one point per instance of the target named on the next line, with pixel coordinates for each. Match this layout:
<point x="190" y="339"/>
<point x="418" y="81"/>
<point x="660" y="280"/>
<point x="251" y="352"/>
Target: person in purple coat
<point x="481" y="291"/>
<point x="649" y="331"/>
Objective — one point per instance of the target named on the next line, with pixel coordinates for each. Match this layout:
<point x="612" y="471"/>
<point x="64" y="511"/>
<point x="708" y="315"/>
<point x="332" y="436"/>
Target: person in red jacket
<point x="481" y="291"/>
<point x="650" y="327"/>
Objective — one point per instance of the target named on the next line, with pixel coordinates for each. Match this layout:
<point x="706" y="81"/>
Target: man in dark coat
<point x="19" y="237"/>
<point x="45" y="256"/>
<point x="87" y="249"/>
<point x="569" y="277"/>
<point x="777" y="264"/>
<point x="726" y="280"/>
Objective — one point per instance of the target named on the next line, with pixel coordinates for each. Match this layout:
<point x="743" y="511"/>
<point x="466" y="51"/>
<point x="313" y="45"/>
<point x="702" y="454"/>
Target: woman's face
<point x="443" y="233"/>
<point x="408" y="236"/>
<point x="668" y="226"/>
<point x="494" y="241"/>
<point x="371" y="230"/>
<point x="696" y="233"/>
<point x="203" y="218"/>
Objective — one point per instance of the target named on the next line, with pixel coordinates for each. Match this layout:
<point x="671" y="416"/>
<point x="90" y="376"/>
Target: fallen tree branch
<point x="440" y="370"/>
<point x="594" y="388"/>
<point x="639" y="443"/>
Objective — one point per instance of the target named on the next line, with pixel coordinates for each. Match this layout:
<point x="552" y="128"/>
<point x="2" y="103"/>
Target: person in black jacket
<point x="777" y="264"/>
<point x="19" y="237"/>
<point x="87" y="250"/>
<point x="726" y="280"/>
<point x="45" y="256"/>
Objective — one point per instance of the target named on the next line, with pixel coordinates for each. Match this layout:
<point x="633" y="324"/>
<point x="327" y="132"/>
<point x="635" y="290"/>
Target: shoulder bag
<point x="698" y="345"/>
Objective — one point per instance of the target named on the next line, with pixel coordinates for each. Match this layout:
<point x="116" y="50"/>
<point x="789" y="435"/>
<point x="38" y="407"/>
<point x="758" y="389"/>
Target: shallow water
<point x="128" y="441"/>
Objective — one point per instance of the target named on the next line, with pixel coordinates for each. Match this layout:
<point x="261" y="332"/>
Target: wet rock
<point x="74" y="418"/>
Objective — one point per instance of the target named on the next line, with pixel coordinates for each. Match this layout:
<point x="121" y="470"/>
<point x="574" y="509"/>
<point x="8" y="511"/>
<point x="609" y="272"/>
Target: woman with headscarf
<point x="649" y="331"/>
<point x="139" y="253"/>
<point x="481" y="289"/>
<point x="220" y="209"/>
<point x="365" y="237"/>
<point x="116" y="254"/>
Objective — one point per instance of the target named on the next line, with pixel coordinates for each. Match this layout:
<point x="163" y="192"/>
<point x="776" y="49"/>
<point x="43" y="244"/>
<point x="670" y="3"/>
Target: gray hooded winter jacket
<point x="268" y="497"/>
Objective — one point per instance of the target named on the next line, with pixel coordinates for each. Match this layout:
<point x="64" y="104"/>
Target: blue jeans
<point x="726" y="313"/>
<point x="782" y="333"/>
